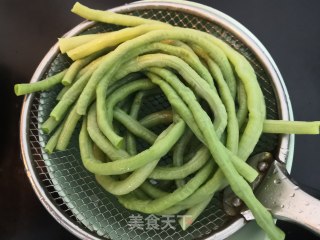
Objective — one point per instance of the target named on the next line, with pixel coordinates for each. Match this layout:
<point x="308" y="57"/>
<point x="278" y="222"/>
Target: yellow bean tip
<point x="71" y="54"/>
<point x="60" y="43"/>
<point x="76" y="7"/>
<point x="65" y="82"/>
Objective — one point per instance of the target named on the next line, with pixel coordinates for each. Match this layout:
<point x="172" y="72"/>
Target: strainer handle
<point x="287" y="201"/>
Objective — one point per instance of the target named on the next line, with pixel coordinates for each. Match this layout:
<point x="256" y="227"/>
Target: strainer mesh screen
<point x="74" y="190"/>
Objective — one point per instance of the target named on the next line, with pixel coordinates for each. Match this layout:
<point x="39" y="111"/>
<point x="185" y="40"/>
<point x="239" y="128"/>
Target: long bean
<point x="129" y="184"/>
<point x="134" y="126"/>
<point x="83" y="102"/>
<point x="76" y="66"/>
<point x="193" y="79"/>
<point x="189" y="97"/>
<point x="49" y="125"/>
<point x="239" y="186"/>
<point x="68" y="129"/>
<point x="159" y="204"/>
<point x="161" y="146"/>
<point x="113" y="99"/>
<point x="98" y="138"/>
<point x="69" y="97"/>
<point x="73" y="93"/>
<point x="179" y="151"/>
<point x="153" y="191"/>
<point x="242" y="112"/>
<point x="179" y="172"/>
<point x="289" y="127"/>
<point x="45" y="84"/>
<point x="53" y="140"/>
<point x="226" y="97"/>
<point x="132" y="182"/>
<point x="242" y="67"/>
<point x="161" y="117"/>
<point x="134" y="111"/>
<point x="237" y="183"/>
<point x="107" y="68"/>
<point x="62" y="92"/>
<point x="112" y="39"/>
<point x="66" y="44"/>
<point x="193" y="213"/>
<point x="212" y="186"/>
<point x="178" y="105"/>
<point x="255" y="99"/>
<point x="109" y="17"/>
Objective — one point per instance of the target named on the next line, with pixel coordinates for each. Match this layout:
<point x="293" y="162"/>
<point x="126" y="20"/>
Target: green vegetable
<point x="287" y="127"/>
<point x="108" y="16"/>
<point x="66" y="44"/>
<point x="159" y="204"/>
<point x="112" y="100"/>
<point x="46" y="84"/>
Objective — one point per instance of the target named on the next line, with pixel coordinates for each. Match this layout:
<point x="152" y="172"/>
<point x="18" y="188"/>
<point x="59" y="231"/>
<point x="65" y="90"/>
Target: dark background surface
<point x="290" y="30"/>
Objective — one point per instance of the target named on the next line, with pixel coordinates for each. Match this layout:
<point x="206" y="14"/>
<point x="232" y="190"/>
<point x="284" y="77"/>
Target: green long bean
<point x="178" y="153"/>
<point x="62" y="92"/>
<point x="134" y="126"/>
<point x="188" y="96"/>
<point x="189" y="75"/>
<point x="68" y="129"/>
<point x="53" y="140"/>
<point x="66" y="44"/>
<point x="159" y="204"/>
<point x="113" y="99"/>
<point x="161" y="146"/>
<point x="242" y="112"/>
<point x="76" y="66"/>
<point x="237" y="183"/>
<point x="109" y="17"/>
<point x="132" y="182"/>
<point x="49" y="125"/>
<point x="161" y="117"/>
<point x="153" y="191"/>
<point x="179" y="172"/>
<point x="289" y="127"/>
<point x="134" y="111"/>
<point x="111" y="40"/>
<point x="193" y="213"/>
<point x="45" y="84"/>
<point x="107" y="68"/>
<point x="226" y="97"/>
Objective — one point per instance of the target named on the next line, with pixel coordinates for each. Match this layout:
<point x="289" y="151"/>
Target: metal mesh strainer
<point x="71" y="193"/>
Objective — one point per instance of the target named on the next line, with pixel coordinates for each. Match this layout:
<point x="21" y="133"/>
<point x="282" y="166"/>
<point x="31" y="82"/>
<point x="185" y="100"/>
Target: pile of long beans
<point x="213" y="93"/>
